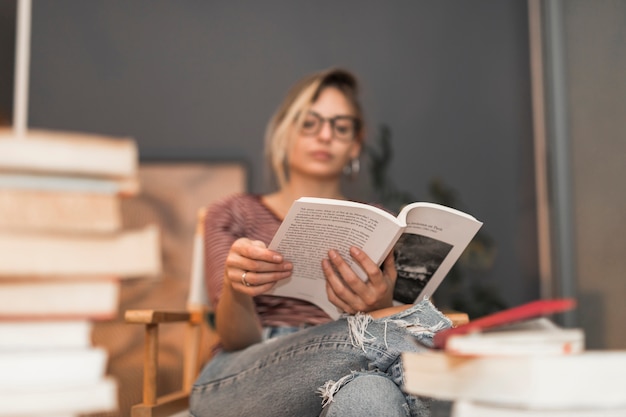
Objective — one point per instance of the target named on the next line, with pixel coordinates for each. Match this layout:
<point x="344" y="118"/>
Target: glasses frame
<point x="332" y="121"/>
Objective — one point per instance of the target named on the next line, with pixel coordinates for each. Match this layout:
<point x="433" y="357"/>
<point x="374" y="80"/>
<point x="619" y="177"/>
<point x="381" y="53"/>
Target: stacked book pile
<point x="63" y="252"/>
<point x="518" y="363"/>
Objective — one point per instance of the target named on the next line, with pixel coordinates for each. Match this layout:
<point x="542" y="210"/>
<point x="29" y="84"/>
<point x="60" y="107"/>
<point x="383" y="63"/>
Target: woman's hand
<point x="349" y="293"/>
<point x="250" y="269"/>
<point x="253" y="269"/>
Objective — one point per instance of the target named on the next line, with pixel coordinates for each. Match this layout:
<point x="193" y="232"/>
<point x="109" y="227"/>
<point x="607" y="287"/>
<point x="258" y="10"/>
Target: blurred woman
<point x="285" y="357"/>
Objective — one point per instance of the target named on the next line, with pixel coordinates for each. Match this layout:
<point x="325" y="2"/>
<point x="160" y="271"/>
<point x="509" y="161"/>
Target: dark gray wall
<point x="7" y="54"/>
<point x="199" y="79"/>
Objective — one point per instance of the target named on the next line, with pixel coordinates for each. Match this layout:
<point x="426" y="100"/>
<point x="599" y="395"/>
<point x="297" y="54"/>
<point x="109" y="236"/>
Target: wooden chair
<point x="197" y="314"/>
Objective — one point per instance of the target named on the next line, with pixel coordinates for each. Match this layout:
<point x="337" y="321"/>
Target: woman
<point x="317" y="367"/>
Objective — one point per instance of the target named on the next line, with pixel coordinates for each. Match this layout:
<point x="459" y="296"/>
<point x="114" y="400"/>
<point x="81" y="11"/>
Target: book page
<point x="310" y="230"/>
<point x="434" y="239"/>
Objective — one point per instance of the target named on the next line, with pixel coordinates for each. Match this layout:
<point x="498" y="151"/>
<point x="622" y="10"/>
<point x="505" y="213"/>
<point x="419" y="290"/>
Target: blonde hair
<point x="294" y="107"/>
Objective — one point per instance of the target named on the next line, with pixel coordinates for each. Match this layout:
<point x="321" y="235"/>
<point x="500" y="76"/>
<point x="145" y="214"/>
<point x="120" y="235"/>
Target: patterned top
<point x="245" y="215"/>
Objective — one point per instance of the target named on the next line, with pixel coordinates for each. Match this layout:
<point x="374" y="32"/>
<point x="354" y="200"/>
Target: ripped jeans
<point x="347" y="367"/>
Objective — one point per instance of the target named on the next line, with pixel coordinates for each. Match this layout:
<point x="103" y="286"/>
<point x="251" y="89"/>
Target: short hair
<point x="294" y="107"/>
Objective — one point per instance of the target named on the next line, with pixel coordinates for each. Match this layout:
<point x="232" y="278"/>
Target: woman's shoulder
<point x="236" y="202"/>
<point x="242" y="207"/>
<point x="242" y="215"/>
<point x="238" y="199"/>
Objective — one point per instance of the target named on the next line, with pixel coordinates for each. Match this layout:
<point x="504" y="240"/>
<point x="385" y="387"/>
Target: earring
<point x="353" y="168"/>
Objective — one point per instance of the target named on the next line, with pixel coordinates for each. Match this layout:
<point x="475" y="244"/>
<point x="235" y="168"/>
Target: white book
<point x="427" y="240"/>
<point x="529" y="337"/>
<point x="51" y="368"/>
<point x="592" y="379"/>
<point x="474" y="409"/>
<point x="125" y="254"/>
<point x="96" y="299"/>
<point x="68" y="153"/>
<point x="95" y="397"/>
<point x="25" y="210"/>
<point x="45" y="334"/>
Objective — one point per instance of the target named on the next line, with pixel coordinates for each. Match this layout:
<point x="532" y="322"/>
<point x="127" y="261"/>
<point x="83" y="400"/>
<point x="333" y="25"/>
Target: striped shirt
<point x="245" y="215"/>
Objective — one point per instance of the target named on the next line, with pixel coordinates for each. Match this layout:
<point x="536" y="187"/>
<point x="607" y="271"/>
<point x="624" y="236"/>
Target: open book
<point x="427" y="240"/>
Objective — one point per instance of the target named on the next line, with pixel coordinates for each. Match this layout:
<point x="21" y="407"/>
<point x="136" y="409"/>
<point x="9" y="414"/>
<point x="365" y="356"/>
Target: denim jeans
<point x="347" y="367"/>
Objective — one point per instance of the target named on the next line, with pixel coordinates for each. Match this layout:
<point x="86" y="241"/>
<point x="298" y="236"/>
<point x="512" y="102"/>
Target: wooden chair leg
<point x="192" y="352"/>
<point x="151" y="361"/>
<point x="152" y="405"/>
<point x="193" y="344"/>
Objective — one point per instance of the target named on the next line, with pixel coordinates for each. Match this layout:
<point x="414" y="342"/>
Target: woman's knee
<point x="367" y="394"/>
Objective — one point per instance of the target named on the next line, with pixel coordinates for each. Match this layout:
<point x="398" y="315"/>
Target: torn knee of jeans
<point x="416" y="328"/>
<point x="422" y="326"/>
<point x="423" y="333"/>
<point x="330" y="388"/>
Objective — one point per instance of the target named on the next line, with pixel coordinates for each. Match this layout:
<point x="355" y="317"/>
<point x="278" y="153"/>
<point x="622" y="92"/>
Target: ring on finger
<point x="243" y="279"/>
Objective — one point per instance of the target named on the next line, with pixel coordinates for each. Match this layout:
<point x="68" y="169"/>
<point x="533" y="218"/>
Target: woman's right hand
<point x="248" y="262"/>
<point x="253" y="269"/>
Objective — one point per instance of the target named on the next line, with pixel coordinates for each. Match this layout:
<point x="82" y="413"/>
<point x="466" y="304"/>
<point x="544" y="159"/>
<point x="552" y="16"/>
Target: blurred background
<point x="456" y="96"/>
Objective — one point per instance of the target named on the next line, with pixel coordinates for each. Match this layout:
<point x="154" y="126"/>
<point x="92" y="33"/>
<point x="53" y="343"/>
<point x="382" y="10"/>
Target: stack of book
<point x="63" y="252"/>
<point x="518" y="366"/>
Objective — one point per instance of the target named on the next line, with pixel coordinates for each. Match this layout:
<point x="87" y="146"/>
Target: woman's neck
<point x="300" y="187"/>
<point x="281" y="201"/>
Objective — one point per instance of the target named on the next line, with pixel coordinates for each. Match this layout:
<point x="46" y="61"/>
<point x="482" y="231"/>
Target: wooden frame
<point x="153" y="406"/>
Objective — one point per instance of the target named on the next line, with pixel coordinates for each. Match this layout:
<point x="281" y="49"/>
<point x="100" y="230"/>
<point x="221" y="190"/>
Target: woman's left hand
<point x="351" y="294"/>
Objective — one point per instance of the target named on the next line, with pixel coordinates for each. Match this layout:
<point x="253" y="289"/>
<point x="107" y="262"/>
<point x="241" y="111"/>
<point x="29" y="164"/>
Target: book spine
<point x="124" y="187"/>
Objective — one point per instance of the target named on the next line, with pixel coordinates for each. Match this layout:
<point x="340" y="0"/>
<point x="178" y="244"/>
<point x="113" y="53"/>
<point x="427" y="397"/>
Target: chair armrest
<point x="161" y="316"/>
<point x="151" y="319"/>
<point x="457" y="317"/>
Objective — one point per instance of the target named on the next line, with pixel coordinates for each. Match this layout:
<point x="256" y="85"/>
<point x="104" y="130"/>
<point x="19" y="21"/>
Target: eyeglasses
<point x="344" y="128"/>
